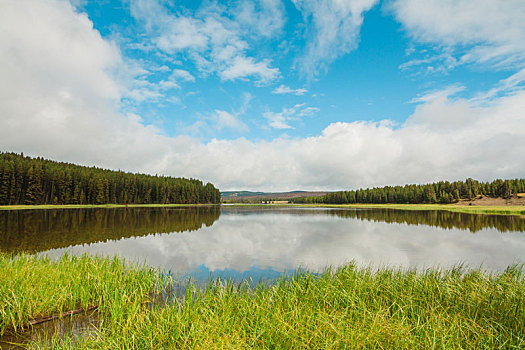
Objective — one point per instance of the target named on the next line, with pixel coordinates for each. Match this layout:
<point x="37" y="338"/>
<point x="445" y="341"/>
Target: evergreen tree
<point x="33" y="193"/>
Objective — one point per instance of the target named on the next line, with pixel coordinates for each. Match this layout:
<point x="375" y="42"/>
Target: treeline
<point x="439" y="192"/>
<point x="26" y="180"/>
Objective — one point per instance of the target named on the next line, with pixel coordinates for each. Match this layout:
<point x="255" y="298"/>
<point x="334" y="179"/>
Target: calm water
<point x="236" y="243"/>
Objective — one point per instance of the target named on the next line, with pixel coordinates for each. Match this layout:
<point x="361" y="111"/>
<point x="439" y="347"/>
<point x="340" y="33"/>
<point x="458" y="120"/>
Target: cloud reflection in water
<point x="283" y="240"/>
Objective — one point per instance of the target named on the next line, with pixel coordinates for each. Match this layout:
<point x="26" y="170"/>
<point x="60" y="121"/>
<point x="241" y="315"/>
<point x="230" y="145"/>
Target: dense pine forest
<point x="26" y="180"/>
<point x="439" y="192"/>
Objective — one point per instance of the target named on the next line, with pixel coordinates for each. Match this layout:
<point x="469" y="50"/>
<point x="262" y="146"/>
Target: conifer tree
<point x="33" y="193"/>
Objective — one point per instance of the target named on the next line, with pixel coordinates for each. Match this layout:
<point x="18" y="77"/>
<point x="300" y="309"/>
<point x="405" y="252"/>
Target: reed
<point x="33" y="287"/>
<point x="349" y="307"/>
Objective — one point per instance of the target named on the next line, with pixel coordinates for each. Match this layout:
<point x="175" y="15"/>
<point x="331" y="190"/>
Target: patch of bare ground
<point x="492" y="201"/>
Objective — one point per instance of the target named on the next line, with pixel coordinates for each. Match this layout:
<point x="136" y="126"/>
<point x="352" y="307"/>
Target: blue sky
<point x="269" y="94"/>
<point x="370" y="80"/>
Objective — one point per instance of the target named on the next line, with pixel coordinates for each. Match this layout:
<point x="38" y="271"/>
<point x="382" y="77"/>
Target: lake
<point x="265" y="242"/>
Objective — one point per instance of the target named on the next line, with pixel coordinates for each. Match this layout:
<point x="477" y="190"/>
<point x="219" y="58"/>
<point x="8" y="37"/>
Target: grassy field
<point x="350" y="307"/>
<point x="82" y="206"/>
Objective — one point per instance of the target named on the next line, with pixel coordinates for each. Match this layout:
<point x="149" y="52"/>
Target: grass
<point x="350" y="307"/>
<point x="34" y="287"/>
<point x="82" y="206"/>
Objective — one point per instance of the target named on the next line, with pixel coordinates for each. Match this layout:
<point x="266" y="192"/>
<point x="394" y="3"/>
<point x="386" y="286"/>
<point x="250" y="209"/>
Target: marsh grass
<point x="350" y="307"/>
<point x="34" y="287"/>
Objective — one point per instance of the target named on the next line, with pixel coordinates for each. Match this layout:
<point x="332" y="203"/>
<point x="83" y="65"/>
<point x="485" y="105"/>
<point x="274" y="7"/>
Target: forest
<point x="27" y="180"/>
<point x="438" y="192"/>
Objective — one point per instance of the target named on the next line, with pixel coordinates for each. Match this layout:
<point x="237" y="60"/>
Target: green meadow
<point x="349" y="307"/>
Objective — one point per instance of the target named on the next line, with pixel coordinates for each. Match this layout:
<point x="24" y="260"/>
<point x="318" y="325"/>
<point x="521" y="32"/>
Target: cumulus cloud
<point x="445" y="138"/>
<point x="213" y="41"/>
<point x="333" y="30"/>
<point x="59" y="92"/>
<point x="484" y="31"/>
<point x="60" y="95"/>
<point x="283" y="89"/>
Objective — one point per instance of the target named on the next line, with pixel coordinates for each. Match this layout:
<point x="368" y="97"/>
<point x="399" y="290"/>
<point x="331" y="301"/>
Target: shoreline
<point x="516" y="210"/>
<point x="102" y="206"/>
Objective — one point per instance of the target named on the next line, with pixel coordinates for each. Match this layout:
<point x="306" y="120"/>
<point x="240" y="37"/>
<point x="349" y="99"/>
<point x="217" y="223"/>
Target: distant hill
<point x="228" y="194"/>
<point x="249" y="195"/>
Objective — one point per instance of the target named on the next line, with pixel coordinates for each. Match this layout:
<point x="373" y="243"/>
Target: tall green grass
<point x="33" y="287"/>
<point x="350" y="307"/>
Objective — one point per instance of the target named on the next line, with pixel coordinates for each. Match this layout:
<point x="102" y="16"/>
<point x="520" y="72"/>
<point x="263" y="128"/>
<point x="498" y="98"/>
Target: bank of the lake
<point x="477" y="209"/>
<point x="102" y="206"/>
<point x="351" y="307"/>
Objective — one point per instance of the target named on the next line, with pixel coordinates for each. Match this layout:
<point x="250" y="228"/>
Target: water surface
<point x="262" y="243"/>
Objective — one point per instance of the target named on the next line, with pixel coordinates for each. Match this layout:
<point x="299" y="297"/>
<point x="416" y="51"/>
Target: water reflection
<point x="436" y="218"/>
<point x="263" y="243"/>
<point x="247" y="242"/>
<point x="78" y="327"/>
<point x="39" y="230"/>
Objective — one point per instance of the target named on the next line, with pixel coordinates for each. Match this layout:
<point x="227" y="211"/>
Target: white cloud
<point x="333" y="30"/>
<point x="221" y="119"/>
<point x="242" y="67"/>
<point x="182" y="75"/>
<point x="225" y="119"/>
<point x="283" y="89"/>
<point x="59" y="99"/>
<point x="281" y="120"/>
<point x="433" y="63"/>
<point x="59" y="92"/>
<point x="212" y="40"/>
<point x="263" y="18"/>
<point x="510" y="85"/>
<point x="444" y="139"/>
<point x="441" y="93"/>
<point x="141" y="89"/>
<point x="480" y="31"/>
<point x="277" y="120"/>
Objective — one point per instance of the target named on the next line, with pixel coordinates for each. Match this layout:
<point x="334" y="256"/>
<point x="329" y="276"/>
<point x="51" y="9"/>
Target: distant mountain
<point x="227" y="194"/>
<point x="232" y="195"/>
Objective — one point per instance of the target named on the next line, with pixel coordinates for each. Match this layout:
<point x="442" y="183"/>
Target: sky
<point x="269" y="95"/>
